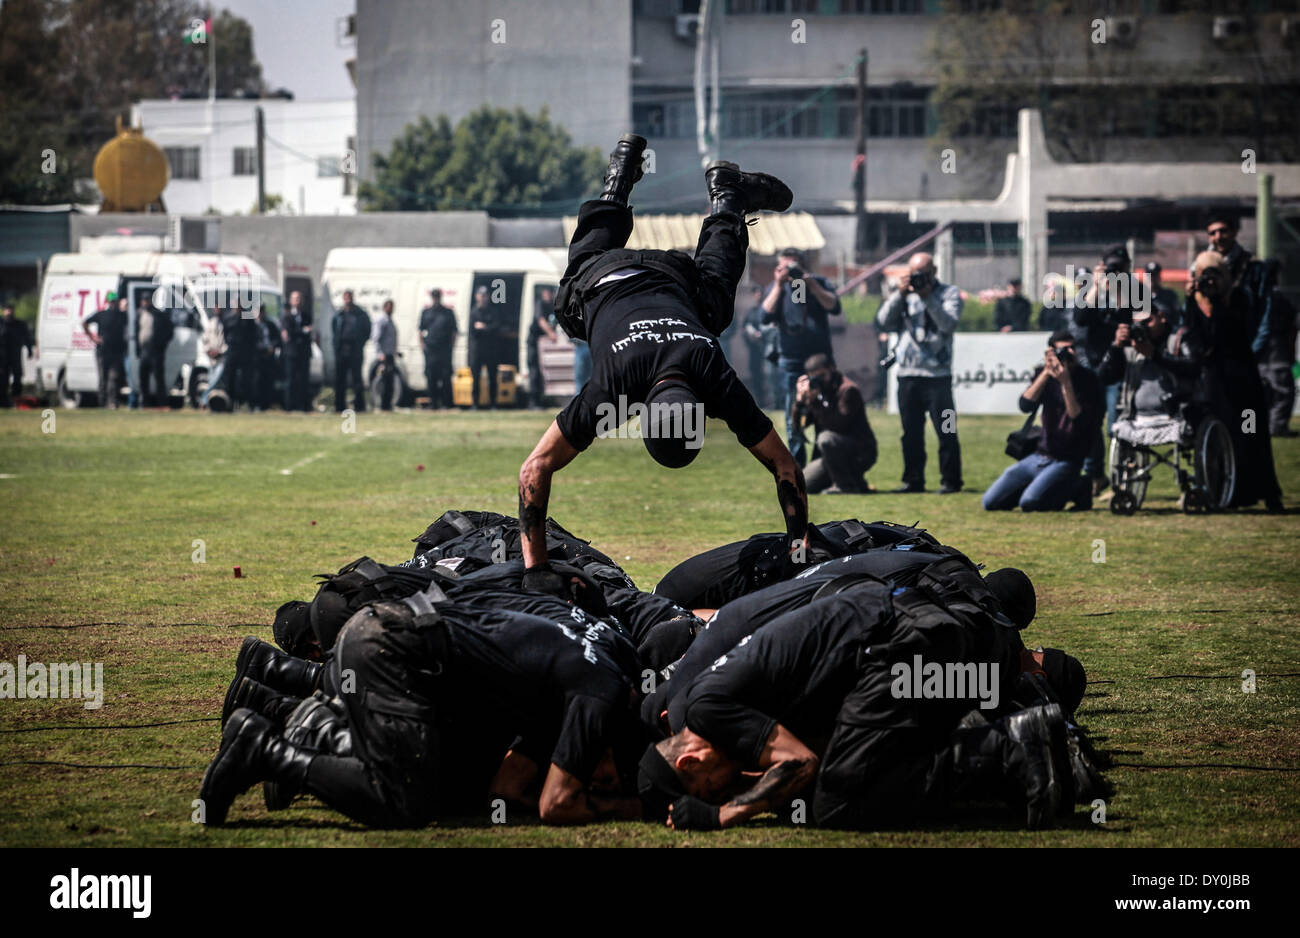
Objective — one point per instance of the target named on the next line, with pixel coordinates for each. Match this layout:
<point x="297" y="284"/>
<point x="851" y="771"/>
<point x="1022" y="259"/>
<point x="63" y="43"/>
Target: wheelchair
<point x="1196" y="444"/>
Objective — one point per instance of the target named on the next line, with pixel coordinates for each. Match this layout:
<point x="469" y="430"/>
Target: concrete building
<point x="211" y="149"/>
<point x="573" y="57"/>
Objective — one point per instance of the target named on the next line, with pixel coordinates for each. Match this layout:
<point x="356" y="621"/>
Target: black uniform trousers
<point x="917" y="398"/>
<point x="842" y="460"/>
<point x="437" y="376"/>
<point x="347" y="374"/>
<point x="885" y="760"/>
<point x="112" y="375"/>
<point x="485" y="351"/>
<point x="153" y="370"/>
<point x="11" y="380"/>
<point x="719" y="255"/>
<point x="391" y="778"/>
<point x="296" y="359"/>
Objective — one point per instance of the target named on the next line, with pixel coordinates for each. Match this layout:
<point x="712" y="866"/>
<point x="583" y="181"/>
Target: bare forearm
<point x="534" y="494"/>
<point x="777" y="785"/>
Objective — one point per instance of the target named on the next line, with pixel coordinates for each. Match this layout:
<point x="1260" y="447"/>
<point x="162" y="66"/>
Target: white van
<point x="188" y="287"/>
<point x="406" y="275"/>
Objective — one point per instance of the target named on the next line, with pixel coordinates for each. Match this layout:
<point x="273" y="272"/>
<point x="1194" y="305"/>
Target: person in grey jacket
<point x="384" y="335"/>
<point x="925" y="313"/>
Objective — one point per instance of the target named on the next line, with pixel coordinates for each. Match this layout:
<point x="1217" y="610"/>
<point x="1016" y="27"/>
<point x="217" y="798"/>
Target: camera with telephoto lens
<point x="919" y="280"/>
<point x="1065" y="356"/>
<point x="1139" y="332"/>
<point x="795" y="272"/>
<point x="1208" y="282"/>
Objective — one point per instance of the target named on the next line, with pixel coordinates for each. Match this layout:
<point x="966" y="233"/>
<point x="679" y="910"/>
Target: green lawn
<point x="97" y="564"/>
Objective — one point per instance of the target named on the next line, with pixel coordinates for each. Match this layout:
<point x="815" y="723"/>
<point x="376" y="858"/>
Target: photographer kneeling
<point x="1050" y="477"/>
<point x="846" y="447"/>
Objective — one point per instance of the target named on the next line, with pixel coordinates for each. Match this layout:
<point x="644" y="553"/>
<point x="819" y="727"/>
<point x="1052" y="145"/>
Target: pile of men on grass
<point x="882" y="682"/>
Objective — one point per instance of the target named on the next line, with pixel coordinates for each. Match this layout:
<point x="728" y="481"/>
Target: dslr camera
<point x="795" y="272"/>
<point x="1065" y="356"/>
<point x="919" y="280"/>
<point x="1139" y="332"/>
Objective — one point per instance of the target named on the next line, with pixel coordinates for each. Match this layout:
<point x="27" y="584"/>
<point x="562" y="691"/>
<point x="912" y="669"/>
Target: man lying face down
<point x="717" y="576"/>
<point x="435" y="694"/>
<point x="1008" y="592"/>
<point x="819" y="702"/>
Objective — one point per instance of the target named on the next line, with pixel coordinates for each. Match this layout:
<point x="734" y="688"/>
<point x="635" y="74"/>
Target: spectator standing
<point x="543" y="324"/>
<point x="351" y="328"/>
<point x="486" y="338"/>
<point x="925" y="312"/>
<point x="110" y="340"/>
<point x="1012" y="312"/>
<point x="15" y="335"/>
<point x="437" y="338"/>
<point x="153" y="335"/>
<point x="385" y="338"/>
<point x="266" y="359"/>
<point x="295" y="354"/>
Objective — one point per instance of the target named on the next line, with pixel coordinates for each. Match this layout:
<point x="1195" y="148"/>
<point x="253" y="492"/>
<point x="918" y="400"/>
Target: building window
<point x="182" y="162"/>
<point x="743" y="7"/>
<point x="665" y="119"/>
<point x="329" y="167"/>
<point x="245" y="161"/>
<point x="891" y="112"/>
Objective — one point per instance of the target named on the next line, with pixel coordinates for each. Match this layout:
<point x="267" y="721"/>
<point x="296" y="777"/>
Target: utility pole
<point x="212" y="58"/>
<point x="261" y="161"/>
<point x="860" y="164"/>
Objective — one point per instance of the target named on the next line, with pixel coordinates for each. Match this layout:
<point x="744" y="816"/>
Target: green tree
<point x="505" y="162"/>
<point x="68" y="68"/>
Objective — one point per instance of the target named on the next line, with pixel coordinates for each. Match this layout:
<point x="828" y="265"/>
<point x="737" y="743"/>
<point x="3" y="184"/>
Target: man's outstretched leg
<point x="724" y="237"/>
<point x="605" y="222"/>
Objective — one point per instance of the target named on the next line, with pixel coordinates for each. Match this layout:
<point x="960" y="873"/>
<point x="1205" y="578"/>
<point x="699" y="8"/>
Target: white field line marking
<point x="302" y="462"/>
<point x="311" y="459"/>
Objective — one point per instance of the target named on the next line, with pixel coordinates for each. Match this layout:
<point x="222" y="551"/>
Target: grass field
<point x="97" y="551"/>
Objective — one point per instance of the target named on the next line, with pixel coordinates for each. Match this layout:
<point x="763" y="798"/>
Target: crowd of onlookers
<point x="1120" y="348"/>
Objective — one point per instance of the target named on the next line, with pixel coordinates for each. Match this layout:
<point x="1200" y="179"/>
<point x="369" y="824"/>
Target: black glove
<point x="690" y="813"/>
<point x="542" y="579"/>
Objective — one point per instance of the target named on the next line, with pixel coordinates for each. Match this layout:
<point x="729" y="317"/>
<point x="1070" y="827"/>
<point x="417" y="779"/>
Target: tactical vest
<point x="571" y="298"/>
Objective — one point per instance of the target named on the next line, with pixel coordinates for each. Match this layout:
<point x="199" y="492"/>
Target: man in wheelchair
<point x="1156" y="383"/>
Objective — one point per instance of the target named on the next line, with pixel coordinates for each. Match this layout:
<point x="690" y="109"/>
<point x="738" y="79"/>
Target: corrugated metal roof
<point x="681" y="232"/>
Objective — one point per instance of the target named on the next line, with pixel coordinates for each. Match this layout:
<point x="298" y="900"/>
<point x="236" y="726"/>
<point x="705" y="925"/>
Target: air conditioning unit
<point x="193" y="234"/>
<point x="1229" y="27"/>
<point x="688" y="26"/>
<point x="1291" y="30"/>
<point x="1122" y="30"/>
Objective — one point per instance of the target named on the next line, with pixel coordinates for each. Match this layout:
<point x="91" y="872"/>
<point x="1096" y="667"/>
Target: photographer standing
<point x="1049" y="478"/>
<point x="1098" y="312"/>
<point x="803" y="329"/>
<point x="1217" y="336"/>
<point x="845" y="447"/>
<point x="925" y="313"/>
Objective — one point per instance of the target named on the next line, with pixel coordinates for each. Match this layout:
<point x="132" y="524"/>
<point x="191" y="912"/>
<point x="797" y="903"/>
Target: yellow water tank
<point x="462" y="393"/>
<point x="131" y="171"/>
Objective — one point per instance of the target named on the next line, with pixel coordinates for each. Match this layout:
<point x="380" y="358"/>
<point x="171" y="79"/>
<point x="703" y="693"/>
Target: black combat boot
<point x="268" y="665"/>
<point x="624" y="169"/>
<point x="259" y="698"/>
<point x="313" y="725"/>
<point x="741" y="193"/>
<point x="1010" y="760"/>
<point x="251" y="751"/>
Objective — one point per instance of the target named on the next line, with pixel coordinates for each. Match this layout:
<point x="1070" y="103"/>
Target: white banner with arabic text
<point x="990" y="370"/>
